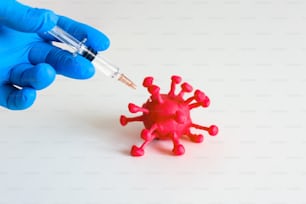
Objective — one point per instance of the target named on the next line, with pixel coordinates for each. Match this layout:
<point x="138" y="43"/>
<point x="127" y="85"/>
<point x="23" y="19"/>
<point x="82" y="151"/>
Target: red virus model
<point x="167" y="116"/>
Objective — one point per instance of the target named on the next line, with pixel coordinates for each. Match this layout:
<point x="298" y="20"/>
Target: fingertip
<point x="43" y="75"/>
<point x="105" y="44"/>
<point x="98" y="40"/>
<point x="21" y="99"/>
<point x="83" y="69"/>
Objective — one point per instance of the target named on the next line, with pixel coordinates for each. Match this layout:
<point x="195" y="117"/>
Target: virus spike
<point x="212" y="130"/>
<point x="147" y="82"/>
<point x="178" y="149"/>
<point x="125" y="120"/>
<point x="154" y="91"/>
<point x="188" y="100"/>
<point x="194" y="105"/>
<point x="147" y="134"/>
<point x="167" y="116"/>
<point x="197" y="138"/>
<point x="174" y="81"/>
<point x="186" y="88"/>
<point x="148" y="137"/>
<point x="135" y="109"/>
<point x="205" y="103"/>
<point x="137" y="151"/>
<point x="198" y="96"/>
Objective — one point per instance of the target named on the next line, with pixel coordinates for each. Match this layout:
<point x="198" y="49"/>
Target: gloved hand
<point x="28" y="60"/>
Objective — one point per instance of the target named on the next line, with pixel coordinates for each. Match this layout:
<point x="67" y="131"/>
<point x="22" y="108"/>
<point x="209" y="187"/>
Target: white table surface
<point x="248" y="56"/>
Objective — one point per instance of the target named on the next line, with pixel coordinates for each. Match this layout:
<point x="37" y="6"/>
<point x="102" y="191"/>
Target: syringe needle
<point x="124" y="79"/>
<point x="98" y="61"/>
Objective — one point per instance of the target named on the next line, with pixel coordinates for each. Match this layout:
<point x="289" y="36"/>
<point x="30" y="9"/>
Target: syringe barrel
<point x="98" y="61"/>
<point x="105" y="66"/>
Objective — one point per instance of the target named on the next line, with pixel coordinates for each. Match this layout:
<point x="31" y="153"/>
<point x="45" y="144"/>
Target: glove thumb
<point x="26" y="19"/>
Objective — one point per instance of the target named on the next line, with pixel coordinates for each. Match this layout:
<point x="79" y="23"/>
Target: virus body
<point x="167" y="116"/>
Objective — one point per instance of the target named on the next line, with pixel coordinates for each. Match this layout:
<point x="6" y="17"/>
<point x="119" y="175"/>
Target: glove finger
<point x="26" y="19"/>
<point x="16" y="99"/>
<point x="62" y="61"/>
<point x="38" y="77"/>
<point x="95" y="39"/>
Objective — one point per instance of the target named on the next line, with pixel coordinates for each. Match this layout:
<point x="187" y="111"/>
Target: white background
<point x="247" y="56"/>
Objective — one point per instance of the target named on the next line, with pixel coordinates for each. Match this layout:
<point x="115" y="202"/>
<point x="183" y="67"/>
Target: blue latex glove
<point x="28" y="60"/>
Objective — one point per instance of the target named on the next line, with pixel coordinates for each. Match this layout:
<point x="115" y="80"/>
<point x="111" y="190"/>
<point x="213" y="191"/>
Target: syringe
<point x="98" y="61"/>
